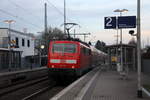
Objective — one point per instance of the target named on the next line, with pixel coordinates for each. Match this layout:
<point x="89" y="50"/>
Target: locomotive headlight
<point x="53" y="66"/>
<point x="73" y="67"/>
<point x="71" y="61"/>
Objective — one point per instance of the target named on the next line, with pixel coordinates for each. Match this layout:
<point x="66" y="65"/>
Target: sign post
<point x="120" y="23"/>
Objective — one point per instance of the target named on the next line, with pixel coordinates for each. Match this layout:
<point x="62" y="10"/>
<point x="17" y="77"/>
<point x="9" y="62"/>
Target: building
<point x="12" y="41"/>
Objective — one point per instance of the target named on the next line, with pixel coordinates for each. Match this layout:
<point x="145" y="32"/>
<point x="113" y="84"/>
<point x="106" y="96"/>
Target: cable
<point x="8" y="13"/>
<point x="29" y="22"/>
<point x="23" y="20"/>
<point x="28" y="12"/>
<point x="57" y="9"/>
<point x="63" y="13"/>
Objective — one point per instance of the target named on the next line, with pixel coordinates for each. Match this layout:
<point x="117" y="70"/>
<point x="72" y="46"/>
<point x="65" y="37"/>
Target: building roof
<point x="18" y="32"/>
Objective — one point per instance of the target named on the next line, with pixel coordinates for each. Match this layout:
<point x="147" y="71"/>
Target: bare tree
<point x="45" y="38"/>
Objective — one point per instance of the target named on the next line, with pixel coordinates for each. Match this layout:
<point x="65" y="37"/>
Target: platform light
<point x="42" y="46"/>
<point x="121" y="11"/>
<point x="9" y="22"/>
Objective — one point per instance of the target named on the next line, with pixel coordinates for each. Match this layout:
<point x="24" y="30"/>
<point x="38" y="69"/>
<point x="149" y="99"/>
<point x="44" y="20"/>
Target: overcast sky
<point x="89" y="14"/>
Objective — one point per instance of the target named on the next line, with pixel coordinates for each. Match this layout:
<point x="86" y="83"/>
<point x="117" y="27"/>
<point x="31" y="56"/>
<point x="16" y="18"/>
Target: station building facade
<point x="15" y="46"/>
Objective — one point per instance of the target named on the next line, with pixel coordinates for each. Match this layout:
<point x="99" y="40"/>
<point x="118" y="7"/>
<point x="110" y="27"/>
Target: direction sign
<point x="110" y="22"/>
<point x="127" y="22"/>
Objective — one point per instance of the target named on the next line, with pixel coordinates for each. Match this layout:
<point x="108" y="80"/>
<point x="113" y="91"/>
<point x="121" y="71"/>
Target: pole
<point x="117" y="47"/>
<point x="64" y="16"/>
<point x="45" y="18"/>
<point x="74" y="33"/>
<point x="40" y="52"/>
<point x="9" y="40"/>
<point x="121" y="46"/>
<point x="117" y="43"/>
<point x="46" y="47"/>
<point x="121" y="54"/>
<point x="139" y="91"/>
<point x="121" y="49"/>
<point x="84" y="37"/>
<point x="117" y="36"/>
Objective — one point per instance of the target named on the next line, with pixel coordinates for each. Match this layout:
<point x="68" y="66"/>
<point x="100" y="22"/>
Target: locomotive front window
<point x="64" y="48"/>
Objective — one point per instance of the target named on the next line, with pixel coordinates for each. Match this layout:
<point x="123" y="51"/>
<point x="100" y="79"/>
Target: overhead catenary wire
<point x="17" y="17"/>
<point x="30" y="13"/>
<point x="61" y="13"/>
<point x="5" y="12"/>
<point x="27" y="11"/>
<point x="55" y="8"/>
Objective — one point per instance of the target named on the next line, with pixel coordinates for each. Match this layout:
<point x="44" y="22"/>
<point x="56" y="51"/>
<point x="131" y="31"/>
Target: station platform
<point x="22" y="75"/>
<point x="4" y="73"/>
<point x="102" y="85"/>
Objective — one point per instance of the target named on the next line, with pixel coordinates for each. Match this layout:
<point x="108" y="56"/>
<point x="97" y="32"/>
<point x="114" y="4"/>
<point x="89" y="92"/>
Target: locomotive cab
<point x="63" y="57"/>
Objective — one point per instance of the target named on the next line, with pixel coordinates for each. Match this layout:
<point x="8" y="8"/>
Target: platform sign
<point x="127" y="22"/>
<point x="110" y="23"/>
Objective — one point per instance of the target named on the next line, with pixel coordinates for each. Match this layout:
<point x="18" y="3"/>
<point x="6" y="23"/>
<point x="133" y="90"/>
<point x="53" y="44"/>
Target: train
<point x="72" y="58"/>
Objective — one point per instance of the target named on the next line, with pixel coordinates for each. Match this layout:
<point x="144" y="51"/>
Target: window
<point x="17" y="41"/>
<point x="64" y="48"/>
<point x="23" y="42"/>
<point x="89" y="52"/>
<point x="28" y="43"/>
<point x="85" y="51"/>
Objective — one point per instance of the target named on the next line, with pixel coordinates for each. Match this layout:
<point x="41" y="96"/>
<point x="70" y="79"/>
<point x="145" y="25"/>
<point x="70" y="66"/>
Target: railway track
<point x="15" y="87"/>
<point x="45" y="93"/>
<point x="19" y="91"/>
<point x="41" y="89"/>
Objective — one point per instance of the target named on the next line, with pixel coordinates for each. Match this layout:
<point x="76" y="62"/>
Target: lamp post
<point x="139" y="91"/>
<point x="138" y="35"/>
<point x="121" y="11"/>
<point x="9" y="22"/>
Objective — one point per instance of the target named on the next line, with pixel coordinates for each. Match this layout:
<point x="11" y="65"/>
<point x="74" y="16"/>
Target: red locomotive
<point x="71" y="58"/>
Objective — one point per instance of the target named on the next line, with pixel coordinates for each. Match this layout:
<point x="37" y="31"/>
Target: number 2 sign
<point x="110" y="22"/>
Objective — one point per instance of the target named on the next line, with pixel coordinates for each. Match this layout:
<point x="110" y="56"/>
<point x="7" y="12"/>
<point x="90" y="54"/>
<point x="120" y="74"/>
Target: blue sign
<point x="110" y="23"/>
<point x="127" y="22"/>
